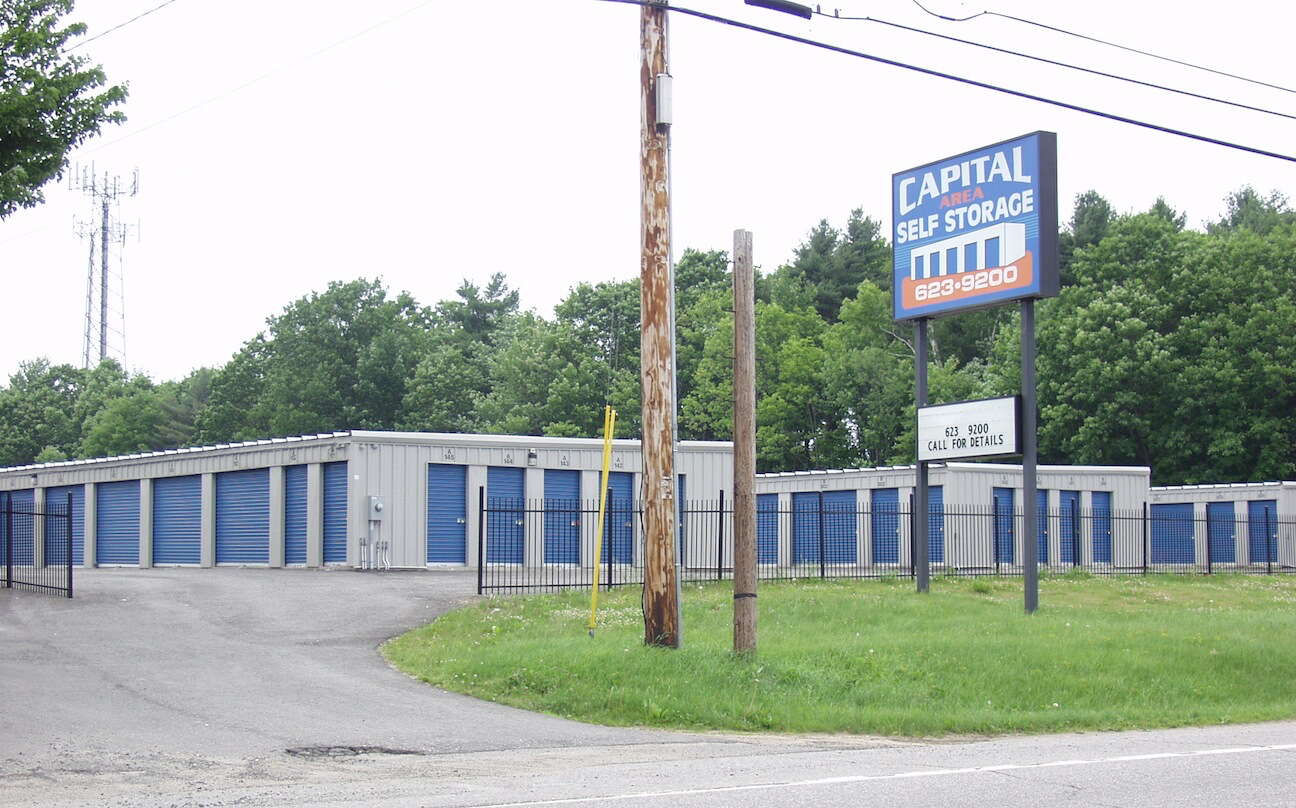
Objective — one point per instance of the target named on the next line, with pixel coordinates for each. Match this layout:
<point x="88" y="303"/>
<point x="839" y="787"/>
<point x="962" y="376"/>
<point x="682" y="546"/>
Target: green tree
<point x="127" y="424"/>
<point x="38" y="412"/>
<point x="50" y="100"/>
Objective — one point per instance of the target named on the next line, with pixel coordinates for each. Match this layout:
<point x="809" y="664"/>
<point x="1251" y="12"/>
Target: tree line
<point x="1168" y="347"/>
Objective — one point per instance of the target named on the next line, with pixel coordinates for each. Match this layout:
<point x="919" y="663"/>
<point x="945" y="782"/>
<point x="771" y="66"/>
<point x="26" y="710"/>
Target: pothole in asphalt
<point x="345" y="751"/>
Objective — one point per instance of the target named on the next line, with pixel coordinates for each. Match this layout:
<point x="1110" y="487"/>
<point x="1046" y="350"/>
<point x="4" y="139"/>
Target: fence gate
<point x="36" y="544"/>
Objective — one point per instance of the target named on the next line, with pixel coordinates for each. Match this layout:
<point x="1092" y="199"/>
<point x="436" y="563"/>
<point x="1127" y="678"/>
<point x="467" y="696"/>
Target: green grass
<point x="874" y="657"/>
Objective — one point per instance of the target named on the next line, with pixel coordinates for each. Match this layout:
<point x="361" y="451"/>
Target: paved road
<point x="190" y="688"/>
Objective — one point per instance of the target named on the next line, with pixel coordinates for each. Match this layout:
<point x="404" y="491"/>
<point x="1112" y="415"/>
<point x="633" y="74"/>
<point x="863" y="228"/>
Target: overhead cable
<point x="951" y="77"/>
<point x="1057" y="63"/>
<point x="1109" y="44"/>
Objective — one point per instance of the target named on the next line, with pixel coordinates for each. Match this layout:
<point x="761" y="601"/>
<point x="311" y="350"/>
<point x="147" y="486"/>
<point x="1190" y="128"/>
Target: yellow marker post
<point x="609" y="426"/>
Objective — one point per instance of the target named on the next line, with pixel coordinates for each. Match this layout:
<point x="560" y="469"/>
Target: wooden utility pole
<point x="656" y="341"/>
<point x="744" y="438"/>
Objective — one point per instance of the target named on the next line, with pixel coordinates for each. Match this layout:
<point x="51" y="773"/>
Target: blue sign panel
<point x="976" y="230"/>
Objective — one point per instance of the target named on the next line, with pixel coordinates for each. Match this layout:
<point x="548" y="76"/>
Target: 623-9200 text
<point x="978" y="435"/>
<point x="967" y="282"/>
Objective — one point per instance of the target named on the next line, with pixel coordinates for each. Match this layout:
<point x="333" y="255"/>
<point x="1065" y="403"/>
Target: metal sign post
<point x="922" y="561"/>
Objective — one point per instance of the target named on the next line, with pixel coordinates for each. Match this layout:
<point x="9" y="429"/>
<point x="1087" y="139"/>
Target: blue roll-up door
<point x="841" y="527"/>
<point x="58" y="497"/>
<point x="681" y="490"/>
<point x="447" y="514"/>
<point x="1004" y="517"/>
<point x="936" y="524"/>
<point x="23" y="505"/>
<point x="1262" y="542"/>
<point x="1102" y="527"/>
<point x="1172" y="534"/>
<point x="805" y="527"/>
<point x="295" y="514"/>
<point x="117" y="528"/>
<point x="334" y="522"/>
<point x="884" y="521"/>
<point x="1069" y="527"/>
<point x="504" y="522"/>
<point x="562" y="521"/>
<point x="767" y="528"/>
<point x="1041" y="524"/>
<point x="243" y="517"/>
<point x="177" y="520"/>
<point x="1221" y="532"/>
<point x="620" y="518"/>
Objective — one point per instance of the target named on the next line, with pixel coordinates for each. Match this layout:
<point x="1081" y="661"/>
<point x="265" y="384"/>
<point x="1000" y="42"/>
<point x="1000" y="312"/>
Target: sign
<point x="987" y="428"/>
<point x="977" y="229"/>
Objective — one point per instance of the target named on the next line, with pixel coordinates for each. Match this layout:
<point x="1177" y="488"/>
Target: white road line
<point x="868" y="778"/>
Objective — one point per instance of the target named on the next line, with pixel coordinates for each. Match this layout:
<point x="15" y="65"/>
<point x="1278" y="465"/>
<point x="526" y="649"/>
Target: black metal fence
<point x="550" y="545"/>
<point x="36" y="545"/>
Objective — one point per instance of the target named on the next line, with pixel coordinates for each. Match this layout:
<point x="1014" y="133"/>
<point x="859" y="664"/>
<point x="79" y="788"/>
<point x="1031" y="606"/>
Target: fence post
<point x="609" y="531"/>
<point x="913" y="538"/>
<point x="481" y="535"/>
<point x="1269" y="552"/>
<point x="720" y="539"/>
<point x="1147" y="541"/>
<point x="8" y="541"/>
<point x="1075" y="533"/>
<point x="1210" y="561"/>
<point x="69" y="544"/>
<point x="823" y="567"/>
<point x="994" y="533"/>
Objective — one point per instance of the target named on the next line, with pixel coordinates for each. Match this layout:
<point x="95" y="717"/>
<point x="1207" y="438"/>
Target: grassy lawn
<point x="874" y="657"/>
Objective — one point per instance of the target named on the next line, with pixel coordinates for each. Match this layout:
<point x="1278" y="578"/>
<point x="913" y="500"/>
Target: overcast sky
<point x="283" y="144"/>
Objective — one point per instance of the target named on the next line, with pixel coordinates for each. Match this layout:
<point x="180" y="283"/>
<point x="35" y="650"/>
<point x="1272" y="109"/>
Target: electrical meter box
<point x="375" y="509"/>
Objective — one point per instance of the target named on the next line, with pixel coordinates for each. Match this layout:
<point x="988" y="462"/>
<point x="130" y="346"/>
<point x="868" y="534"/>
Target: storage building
<point x="355" y="498"/>
<point x="1224" y="524"/>
<point x="1088" y="515"/>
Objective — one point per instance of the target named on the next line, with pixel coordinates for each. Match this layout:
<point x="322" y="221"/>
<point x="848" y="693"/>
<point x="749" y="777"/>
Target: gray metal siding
<point x="117" y="522"/>
<point x="295" y="514"/>
<point x="243" y="517"/>
<point x="177" y="520"/>
<point x="58" y="496"/>
<point x="335" y="482"/>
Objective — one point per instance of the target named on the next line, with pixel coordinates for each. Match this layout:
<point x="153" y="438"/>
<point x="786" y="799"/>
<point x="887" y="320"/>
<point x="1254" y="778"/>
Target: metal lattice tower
<point x="101" y="230"/>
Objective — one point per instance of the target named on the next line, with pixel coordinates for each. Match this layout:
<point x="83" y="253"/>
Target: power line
<point x="1057" y="63"/>
<point x="119" y="25"/>
<point x="962" y="80"/>
<point x="1089" y="38"/>
<point x="262" y="77"/>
